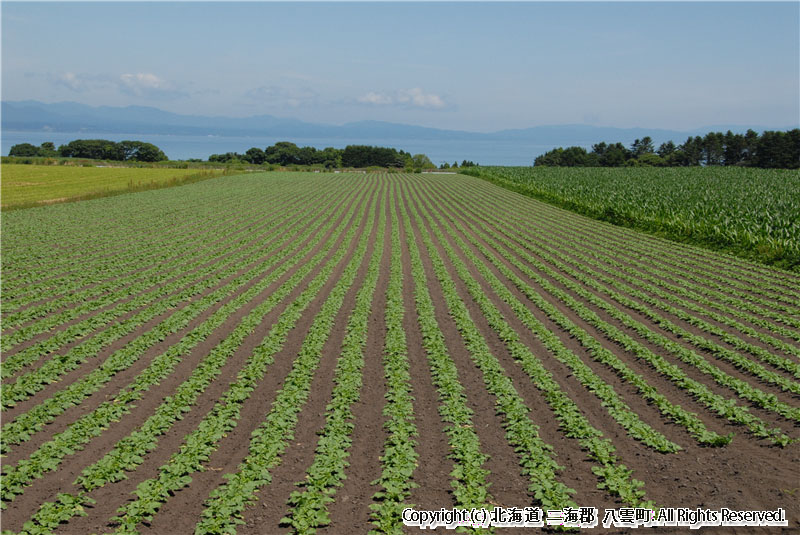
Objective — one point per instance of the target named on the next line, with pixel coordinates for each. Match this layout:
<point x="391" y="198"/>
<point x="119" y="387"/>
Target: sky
<point x="477" y="66"/>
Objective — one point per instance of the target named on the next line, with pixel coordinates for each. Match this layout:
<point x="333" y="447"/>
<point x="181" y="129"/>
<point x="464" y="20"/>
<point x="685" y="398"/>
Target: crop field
<point x="290" y="352"/>
<point x="747" y="211"/>
<point x="31" y="184"/>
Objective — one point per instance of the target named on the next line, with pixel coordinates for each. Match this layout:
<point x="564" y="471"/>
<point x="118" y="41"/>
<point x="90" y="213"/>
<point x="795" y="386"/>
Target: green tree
<point x="750" y="147"/>
<point x="649" y="159"/>
<point x="283" y="153"/>
<point x="421" y="161"/>
<point x="48" y="150"/>
<point x="615" y="155"/>
<point x="713" y="148"/>
<point x="691" y="151"/>
<point x="733" y="152"/>
<point x="24" y="150"/>
<point x="667" y="149"/>
<point x="138" y="151"/>
<point x="255" y="156"/>
<point x="642" y="146"/>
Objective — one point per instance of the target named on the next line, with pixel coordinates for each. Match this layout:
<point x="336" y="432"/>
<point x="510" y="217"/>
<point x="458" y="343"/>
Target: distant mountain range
<point x="35" y="116"/>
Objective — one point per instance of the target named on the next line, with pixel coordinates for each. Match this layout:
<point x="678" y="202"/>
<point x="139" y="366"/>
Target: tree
<point x="103" y="149"/>
<point x="600" y="149"/>
<point x="228" y="157"/>
<point x="691" y="151"/>
<point x="283" y="153"/>
<point x="48" y="150"/>
<point x="712" y="148"/>
<point x="24" y="150"/>
<point x="139" y="151"/>
<point x="750" y="147"/>
<point x="422" y="162"/>
<point x="649" y="159"/>
<point x="733" y="152"/>
<point x="778" y="150"/>
<point x="366" y="156"/>
<point x="569" y="157"/>
<point x="614" y="156"/>
<point x="255" y="156"/>
<point x="45" y="150"/>
<point x="666" y="149"/>
<point x="793" y="137"/>
<point x="642" y="146"/>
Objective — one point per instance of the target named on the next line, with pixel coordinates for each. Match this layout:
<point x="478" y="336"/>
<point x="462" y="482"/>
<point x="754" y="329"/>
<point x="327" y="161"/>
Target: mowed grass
<point x="28" y="185"/>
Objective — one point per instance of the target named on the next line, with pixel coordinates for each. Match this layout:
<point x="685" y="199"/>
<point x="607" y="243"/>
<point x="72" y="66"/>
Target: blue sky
<point x="471" y="66"/>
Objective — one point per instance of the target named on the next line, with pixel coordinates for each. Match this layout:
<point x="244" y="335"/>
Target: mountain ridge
<point x="32" y="115"/>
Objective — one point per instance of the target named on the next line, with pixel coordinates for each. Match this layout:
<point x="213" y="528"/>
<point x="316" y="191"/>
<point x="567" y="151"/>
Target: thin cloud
<point x="79" y="82"/>
<point x="283" y="96"/>
<point x="414" y="97"/>
<point x="148" y="85"/>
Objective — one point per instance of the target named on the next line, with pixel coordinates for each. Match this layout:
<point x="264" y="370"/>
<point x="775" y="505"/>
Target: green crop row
<point x="743" y="389"/>
<point x="399" y="459"/>
<point x="268" y="441"/>
<point x="536" y="456"/>
<point x="698" y="341"/>
<point x="237" y="255"/>
<point x="72" y="269"/>
<point x="49" y="455"/>
<point x="184" y="257"/>
<point x="309" y="506"/>
<point x="609" y="399"/>
<point x="123" y="250"/>
<point x="746" y="211"/>
<point x="701" y="267"/>
<point x="129" y="452"/>
<point x="23" y="426"/>
<point x="598" y="352"/>
<point x="713" y="401"/>
<point x="182" y="210"/>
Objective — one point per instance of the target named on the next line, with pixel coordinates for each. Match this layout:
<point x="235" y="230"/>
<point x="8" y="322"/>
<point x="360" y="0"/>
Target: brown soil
<point x="746" y="474"/>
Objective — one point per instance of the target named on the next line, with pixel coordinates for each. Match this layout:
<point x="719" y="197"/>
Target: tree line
<point x="771" y="149"/>
<point x="285" y="153"/>
<point x="97" y="149"/>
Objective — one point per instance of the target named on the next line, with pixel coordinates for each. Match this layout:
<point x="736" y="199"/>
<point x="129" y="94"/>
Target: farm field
<point x="24" y="185"/>
<point x="746" y="211"/>
<point x="284" y="352"/>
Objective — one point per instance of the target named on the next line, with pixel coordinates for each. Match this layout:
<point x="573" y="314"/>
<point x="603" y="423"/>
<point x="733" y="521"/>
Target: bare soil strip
<point x="488" y="240"/>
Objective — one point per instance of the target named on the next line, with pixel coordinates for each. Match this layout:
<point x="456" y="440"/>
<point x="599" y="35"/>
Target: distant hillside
<point x="37" y="116"/>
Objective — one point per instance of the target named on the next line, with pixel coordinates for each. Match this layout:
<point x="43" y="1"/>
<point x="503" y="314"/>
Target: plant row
<point x="130" y="451"/>
<point x="187" y="258"/>
<point x="705" y="270"/>
<point x="144" y="292"/>
<point x="309" y="506"/>
<point x="49" y="455"/>
<point x="399" y="459"/>
<point x="536" y="456"/>
<point x="198" y="446"/>
<point x="716" y="403"/>
<point x="22" y="427"/>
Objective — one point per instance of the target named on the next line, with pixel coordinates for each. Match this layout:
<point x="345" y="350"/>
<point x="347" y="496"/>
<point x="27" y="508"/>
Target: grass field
<point x="284" y="352"/>
<point x="27" y="185"/>
<point x="749" y="212"/>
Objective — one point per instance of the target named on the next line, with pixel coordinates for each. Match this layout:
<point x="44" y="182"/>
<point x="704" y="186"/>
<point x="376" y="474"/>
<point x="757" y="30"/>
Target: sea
<point x="184" y="147"/>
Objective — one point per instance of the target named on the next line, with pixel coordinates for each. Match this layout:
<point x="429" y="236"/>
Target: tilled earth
<point x="709" y="336"/>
